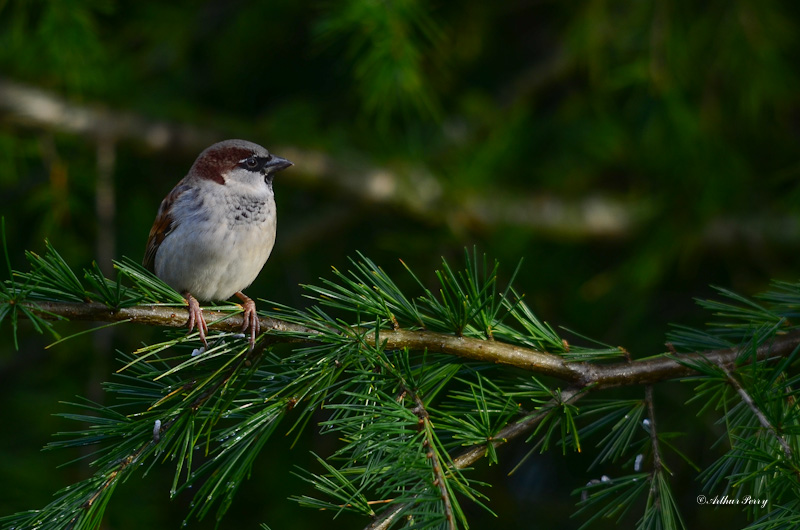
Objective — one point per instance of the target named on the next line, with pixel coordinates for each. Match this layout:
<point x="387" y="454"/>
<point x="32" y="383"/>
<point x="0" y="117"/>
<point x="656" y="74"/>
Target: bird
<point x="216" y="229"/>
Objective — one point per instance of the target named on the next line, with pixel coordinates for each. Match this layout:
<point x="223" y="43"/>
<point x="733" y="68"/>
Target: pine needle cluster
<point x="412" y="421"/>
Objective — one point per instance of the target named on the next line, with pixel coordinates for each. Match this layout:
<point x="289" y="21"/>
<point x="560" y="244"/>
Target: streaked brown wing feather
<point x="162" y="226"/>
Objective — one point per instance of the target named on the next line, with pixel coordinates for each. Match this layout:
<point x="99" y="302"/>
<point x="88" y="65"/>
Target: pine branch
<point x="412" y="418"/>
<point x="636" y="372"/>
<point x="153" y="315"/>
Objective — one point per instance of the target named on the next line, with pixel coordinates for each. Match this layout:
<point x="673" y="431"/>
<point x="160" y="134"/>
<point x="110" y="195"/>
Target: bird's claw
<point x="250" y="319"/>
<point x="196" y="318"/>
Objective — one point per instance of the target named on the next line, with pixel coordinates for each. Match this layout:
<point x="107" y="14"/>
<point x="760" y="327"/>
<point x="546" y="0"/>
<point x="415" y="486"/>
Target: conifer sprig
<point x="412" y="417"/>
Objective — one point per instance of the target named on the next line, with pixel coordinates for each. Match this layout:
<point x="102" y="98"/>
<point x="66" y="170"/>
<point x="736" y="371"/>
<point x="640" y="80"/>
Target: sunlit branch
<point x="596" y="375"/>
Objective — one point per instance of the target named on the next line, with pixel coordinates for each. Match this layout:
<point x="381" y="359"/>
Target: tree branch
<point x="581" y="374"/>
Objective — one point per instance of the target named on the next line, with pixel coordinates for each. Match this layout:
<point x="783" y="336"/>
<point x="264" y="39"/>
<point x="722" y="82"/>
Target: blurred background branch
<point x="414" y="190"/>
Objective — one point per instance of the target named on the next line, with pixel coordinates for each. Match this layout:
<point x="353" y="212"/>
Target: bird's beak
<point x="275" y="164"/>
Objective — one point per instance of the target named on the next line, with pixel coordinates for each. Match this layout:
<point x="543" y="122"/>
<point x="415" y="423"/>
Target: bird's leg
<point x="196" y="317"/>
<point x="250" y="318"/>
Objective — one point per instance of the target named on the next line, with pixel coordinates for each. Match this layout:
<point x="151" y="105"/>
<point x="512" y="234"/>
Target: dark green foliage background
<point x="686" y="112"/>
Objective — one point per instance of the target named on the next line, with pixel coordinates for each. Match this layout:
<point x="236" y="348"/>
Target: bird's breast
<point x="219" y="244"/>
<point x="244" y="211"/>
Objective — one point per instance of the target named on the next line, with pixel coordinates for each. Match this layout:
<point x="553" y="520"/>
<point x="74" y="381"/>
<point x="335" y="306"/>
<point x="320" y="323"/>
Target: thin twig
<point x="387" y="518"/>
<point x="648" y="397"/>
<point x="439" y="478"/>
<point x="516" y="429"/>
<point x="762" y="419"/>
<point x="657" y="464"/>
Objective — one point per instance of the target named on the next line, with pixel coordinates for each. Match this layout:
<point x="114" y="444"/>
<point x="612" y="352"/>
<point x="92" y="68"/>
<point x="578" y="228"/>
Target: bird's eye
<point x="251" y="162"/>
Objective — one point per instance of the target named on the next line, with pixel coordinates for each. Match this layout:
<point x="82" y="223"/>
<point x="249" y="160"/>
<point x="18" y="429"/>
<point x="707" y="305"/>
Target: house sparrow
<point x="215" y="230"/>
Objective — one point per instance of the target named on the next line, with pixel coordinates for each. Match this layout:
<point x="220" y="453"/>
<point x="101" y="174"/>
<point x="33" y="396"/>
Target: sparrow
<point x="215" y="230"/>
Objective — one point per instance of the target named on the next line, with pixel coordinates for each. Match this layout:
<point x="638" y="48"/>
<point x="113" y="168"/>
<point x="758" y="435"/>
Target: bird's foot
<point x="196" y="318"/>
<point x="250" y="319"/>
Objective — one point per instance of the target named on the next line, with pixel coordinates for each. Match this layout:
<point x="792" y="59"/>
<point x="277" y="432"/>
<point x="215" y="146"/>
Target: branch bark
<point x="579" y="374"/>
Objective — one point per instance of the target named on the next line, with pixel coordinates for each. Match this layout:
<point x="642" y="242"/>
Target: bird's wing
<point x="163" y="225"/>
